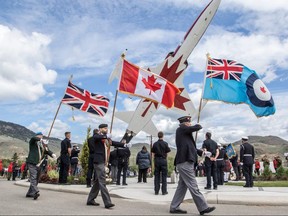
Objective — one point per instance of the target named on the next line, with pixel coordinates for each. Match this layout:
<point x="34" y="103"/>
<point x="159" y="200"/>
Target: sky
<point x="43" y="43"/>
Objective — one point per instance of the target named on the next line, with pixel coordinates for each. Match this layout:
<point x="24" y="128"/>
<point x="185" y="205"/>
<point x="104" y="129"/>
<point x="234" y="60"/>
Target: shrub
<point x="280" y="173"/>
<point x="267" y="173"/>
<point x="70" y="179"/>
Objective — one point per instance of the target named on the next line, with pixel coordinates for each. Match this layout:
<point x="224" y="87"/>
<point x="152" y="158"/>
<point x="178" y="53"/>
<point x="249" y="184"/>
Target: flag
<point x="85" y="101"/>
<point x="232" y="82"/>
<point x="143" y="83"/>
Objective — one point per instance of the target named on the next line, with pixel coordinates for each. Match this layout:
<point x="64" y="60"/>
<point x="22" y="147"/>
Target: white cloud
<point x="23" y="73"/>
<point x="262" y="53"/>
<point x="264" y="5"/>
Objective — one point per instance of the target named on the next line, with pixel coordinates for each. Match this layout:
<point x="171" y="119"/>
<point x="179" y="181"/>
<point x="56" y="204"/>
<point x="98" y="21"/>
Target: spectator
<point x="257" y="166"/>
<point x="1" y="168"/>
<point x="123" y="155"/>
<point x="143" y="160"/>
<point x="10" y="171"/>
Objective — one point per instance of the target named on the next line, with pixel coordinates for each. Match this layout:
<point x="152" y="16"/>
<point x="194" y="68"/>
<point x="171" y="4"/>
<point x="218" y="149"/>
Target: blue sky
<point x="43" y="42"/>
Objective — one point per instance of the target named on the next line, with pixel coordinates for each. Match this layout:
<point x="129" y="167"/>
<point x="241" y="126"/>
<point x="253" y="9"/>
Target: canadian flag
<point x="143" y="83"/>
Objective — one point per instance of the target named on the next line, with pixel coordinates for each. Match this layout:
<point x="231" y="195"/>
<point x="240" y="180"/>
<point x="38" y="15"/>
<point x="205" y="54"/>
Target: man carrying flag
<point x="231" y="82"/>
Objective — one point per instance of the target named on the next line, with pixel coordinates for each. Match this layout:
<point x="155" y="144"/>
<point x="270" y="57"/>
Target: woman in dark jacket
<point x="143" y="160"/>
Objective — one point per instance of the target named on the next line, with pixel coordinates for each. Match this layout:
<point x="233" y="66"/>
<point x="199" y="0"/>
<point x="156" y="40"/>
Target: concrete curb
<point x="231" y="195"/>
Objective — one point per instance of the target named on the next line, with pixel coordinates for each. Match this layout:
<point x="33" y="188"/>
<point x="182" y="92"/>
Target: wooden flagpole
<point x="201" y="99"/>
<point x="113" y="113"/>
<point x="116" y="95"/>
<point x="57" y="111"/>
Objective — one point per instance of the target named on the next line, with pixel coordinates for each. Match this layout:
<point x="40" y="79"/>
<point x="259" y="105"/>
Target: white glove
<point x="45" y="141"/>
<point x="128" y="145"/>
<point x="241" y="163"/>
<point x="109" y="136"/>
<point x="207" y="154"/>
<point x="54" y="156"/>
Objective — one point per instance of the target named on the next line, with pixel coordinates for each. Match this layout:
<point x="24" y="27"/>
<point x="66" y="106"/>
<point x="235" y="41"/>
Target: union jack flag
<point x="85" y="101"/>
<point x="224" y="69"/>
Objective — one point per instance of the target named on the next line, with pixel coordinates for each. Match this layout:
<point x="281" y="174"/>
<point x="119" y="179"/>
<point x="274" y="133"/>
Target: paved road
<point x="13" y="201"/>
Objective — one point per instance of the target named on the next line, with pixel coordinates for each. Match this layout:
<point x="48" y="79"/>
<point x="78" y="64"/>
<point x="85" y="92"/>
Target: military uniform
<point x="123" y="155"/>
<point x="36" y="154"/>
<point x="185" y="158"/>
<point x="210" y="166"/>
<point x="91" y="144"/>
<point x="100" y="162"/>
<point x="247" y="158"/>
<point x="64" y="161"/>
<point x="160" y="149"/>
<point x="220" y="166"/>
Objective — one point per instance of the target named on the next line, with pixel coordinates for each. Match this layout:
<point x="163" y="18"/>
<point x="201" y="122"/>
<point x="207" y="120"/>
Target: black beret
<point x="184" y="119"/>
<point x="103" y="125"/>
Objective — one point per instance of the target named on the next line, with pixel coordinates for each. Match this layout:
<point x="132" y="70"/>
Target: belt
<point x="247" y="155"/>
<point x="74" y="157"/>
<point x="219" y="159"/>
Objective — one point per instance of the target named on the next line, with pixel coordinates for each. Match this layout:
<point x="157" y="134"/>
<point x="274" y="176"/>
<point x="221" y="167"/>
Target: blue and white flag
<point x="231" y="82"/>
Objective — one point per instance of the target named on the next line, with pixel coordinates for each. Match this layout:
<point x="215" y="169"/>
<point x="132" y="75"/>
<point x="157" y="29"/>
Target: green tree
<point x="85" y="153"/>
<point x="15" y="157"/>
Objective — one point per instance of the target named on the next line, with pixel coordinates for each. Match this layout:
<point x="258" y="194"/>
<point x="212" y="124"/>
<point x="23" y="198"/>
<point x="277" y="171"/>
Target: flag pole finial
<point x="124" y="53"/>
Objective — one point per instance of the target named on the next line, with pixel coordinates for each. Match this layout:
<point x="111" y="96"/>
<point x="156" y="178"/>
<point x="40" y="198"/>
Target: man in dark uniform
<point x="247" y="158"/>
<point x="91" y="144"/>
<point x="102" y="143"/>
<point x="65" y="158"/>
<point x="160" y="149"/>
<point x="37" y="151"/>
<point x="123" y="155"/>
<point x="185" y="158"/>
<point x="220" y="165"/>
<point x="210" y="162"/>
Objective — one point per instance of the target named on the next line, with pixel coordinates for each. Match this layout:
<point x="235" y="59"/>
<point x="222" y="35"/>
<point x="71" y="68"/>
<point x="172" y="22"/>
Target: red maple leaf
<point x="263" y="89"/>
<point x="151" y="84"/>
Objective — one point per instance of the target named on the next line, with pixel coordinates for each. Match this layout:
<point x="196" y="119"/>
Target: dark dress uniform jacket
<point x="99" y="148"/>
<point x="247" y="154"/>
<point x="186" y="147"/>
<point x="34" y="157"/>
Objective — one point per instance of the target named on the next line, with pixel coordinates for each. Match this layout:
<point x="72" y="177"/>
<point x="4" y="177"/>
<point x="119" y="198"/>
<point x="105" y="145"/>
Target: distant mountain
<point x="15" y="138"/>
<point x="266" y="145"/>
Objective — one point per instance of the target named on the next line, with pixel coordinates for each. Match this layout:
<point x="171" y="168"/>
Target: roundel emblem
<point x="258" y="93"/>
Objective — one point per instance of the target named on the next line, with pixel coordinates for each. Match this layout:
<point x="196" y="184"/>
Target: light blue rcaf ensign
<point x="245" y="88"/>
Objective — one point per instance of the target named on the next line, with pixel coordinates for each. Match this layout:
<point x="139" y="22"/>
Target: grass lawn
<point x="262" y="183"/>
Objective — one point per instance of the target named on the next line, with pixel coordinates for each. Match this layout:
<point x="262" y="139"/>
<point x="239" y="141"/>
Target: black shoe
<point x="208" y="210"/>
<point x="124" y="184"/>
<point x="88" y="186"/>
<point x="27" y="195"/>
<point x="36" y="195"/>
<point x="117" y="183"/>
<point x="215" y="188"/>
<point x="246" y="186"/>
<point x="178" y="211"/>
<point x="164" y="193"/>
<point x="92" y="203"/>
<point x="156" y="193"/>
<point x="109" y="206"/>
<point x="207" y="188"/>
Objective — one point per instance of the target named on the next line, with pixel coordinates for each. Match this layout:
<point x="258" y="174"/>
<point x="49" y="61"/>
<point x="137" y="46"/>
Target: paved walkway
<point x="274" y="196"/>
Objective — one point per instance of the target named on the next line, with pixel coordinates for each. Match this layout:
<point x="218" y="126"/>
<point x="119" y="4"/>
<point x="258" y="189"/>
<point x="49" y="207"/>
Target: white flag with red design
<point x="143" y="83"/>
